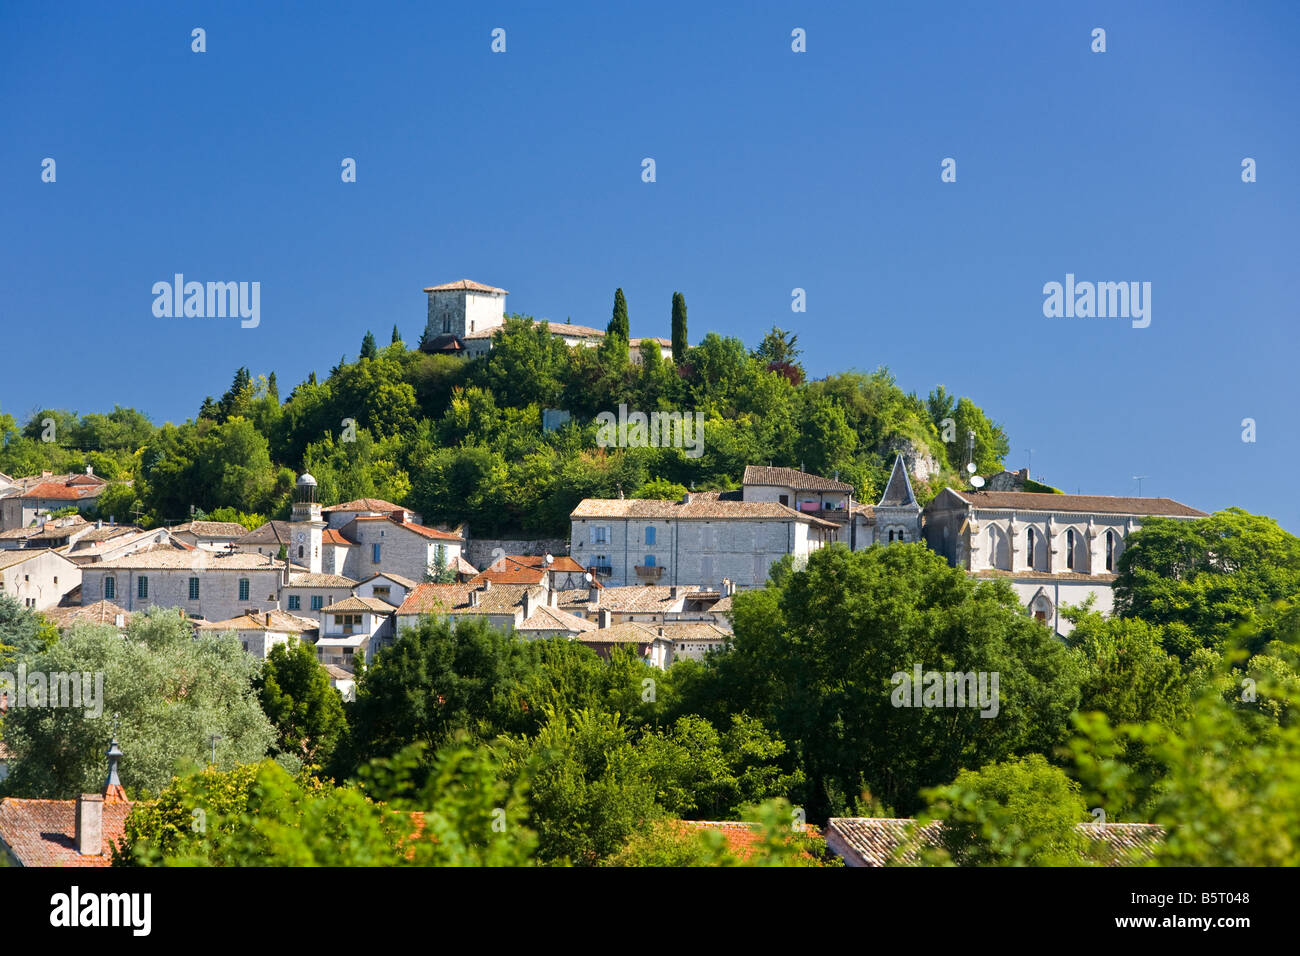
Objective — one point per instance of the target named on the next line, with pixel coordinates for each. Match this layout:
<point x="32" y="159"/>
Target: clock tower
<point x="306" y="525"/>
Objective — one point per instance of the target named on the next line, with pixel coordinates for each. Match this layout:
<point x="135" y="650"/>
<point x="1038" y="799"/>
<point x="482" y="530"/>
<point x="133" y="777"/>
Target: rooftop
<point x="699" y="505"/>
<point x="465" y="285"/>
<point x="790" y="478"/>
<point x="1086" y="504"/>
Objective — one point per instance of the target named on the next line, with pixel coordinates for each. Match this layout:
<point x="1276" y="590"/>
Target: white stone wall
<point x="690" y="551"/>
<point x="1002" y="542"/>
<point x="484" y="311"/>
<point x="41" y="581"/>
<point x="1049" y="596"/>
<point x="218" y="590"/>
<point x="403" y="552"/>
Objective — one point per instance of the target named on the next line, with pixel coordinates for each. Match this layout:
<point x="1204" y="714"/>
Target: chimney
<point x="268" y="618"/>
<point x="674" y="592"/>
<point x="552" y="598"/>
<point x="487" y="585"/>
<point x="473" y="598"/>
<point x="593" y="595"/>
<point x="603" y="618"/>
<point x="89" y="838"/>
<point x="119" y="620"/>
<point x="90" y="471"/>
<point x="398" y="516"/>
<point x="686" y="499"/>
<point x="528" y="605"/>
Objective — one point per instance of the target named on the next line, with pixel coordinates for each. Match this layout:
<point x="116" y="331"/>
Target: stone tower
<point x="460" y="309"/>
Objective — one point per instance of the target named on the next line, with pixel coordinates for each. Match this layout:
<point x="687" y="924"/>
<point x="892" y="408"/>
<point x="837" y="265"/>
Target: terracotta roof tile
<point x="42" y="832"/>
<point x="790" y="478"/>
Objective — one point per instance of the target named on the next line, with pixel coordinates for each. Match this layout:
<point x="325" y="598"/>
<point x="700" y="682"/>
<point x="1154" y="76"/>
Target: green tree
<point x="1020" y="812"/>
<point x="368" y="348"/>
<point x="618" y="322"/>
<point x="819" y="655"/>
<point x="296" y="695"/>
<point x="1200" y="579"/>
<point x="680" y="342"/>
<point x="172" y="692"/>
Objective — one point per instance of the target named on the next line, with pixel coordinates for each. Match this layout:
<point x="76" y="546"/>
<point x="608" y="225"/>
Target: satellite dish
<point x="587" y="577"/>
<point x="970" y="467"/>
<point x="976" y="481"/>
<point x="548" y="560"/>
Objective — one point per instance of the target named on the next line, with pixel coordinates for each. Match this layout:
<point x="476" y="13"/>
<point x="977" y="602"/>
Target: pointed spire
<point x="114" y="792"/>
<point x="898" y="493"/>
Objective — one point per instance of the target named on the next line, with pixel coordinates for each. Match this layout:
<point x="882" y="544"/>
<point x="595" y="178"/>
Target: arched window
<point x="891" y="537"/>
<point x="1110" y="550"/>
<point x="1029" y="549"/>
<point x="1069" y="549"/>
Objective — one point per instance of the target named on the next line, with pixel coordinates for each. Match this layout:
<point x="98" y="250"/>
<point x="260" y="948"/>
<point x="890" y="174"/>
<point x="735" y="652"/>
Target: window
<point x="649" y="560"/>
<point x="243" y="589"/>
<point x="300" y="551"/>
<point x="382" y="592"/>
<point x="1110" y="550"/>
<point x="650" y="535"/>
<point x="142" y="587"/>
<point x="194" y="589"/>
<point x="317" y="602"/>
<point x="784" y="499"/>
<point x="601" y="535"/>
<point x="891" y="537"/>
<point x="374" y="553"/>
<point x="1029" y="548"/>
<point x="1069" y="549"/>
<point x="295" y="602"/>
<point x="110" y="589"/>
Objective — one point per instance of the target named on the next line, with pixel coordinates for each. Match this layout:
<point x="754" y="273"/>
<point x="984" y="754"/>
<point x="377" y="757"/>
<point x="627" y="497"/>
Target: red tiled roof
<point x="41" y="832"/>
<point x="743" y="839"/>
<point x="419" y="529"/>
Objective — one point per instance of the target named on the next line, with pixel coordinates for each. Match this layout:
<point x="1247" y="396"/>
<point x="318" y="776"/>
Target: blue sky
<point x="775" y="170"/>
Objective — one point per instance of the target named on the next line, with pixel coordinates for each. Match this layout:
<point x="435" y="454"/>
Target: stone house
<point x="34" y="499"/>
<point x="354" y="626"/>
<point x="264" y="630"/>
<point x="212" y="535"/>
<point x="701" y="539"/>
<point x="37" y="578"/>
<point x="204" y="584"/>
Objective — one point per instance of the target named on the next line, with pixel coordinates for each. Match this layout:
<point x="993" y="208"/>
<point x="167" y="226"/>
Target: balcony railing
<point x="648" y="572"/>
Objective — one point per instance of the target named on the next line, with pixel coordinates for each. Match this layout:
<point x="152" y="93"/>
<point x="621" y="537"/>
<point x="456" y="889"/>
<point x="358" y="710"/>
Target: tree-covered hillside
<point x="462" y="440"/>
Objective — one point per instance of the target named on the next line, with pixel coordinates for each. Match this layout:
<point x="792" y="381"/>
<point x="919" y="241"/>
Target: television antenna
<point x="1138" y="479"/>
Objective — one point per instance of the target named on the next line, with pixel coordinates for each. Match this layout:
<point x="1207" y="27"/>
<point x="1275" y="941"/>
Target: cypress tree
<point x="679" y="326"/>
<point x="618" y="324"/>
<point x="396" y="338"/>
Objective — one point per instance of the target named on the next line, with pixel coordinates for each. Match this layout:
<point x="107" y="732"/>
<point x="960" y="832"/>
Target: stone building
<point x="699" y="540"/>
<point x="37" y="578"/>
<point x="204" y="584"/>
<point x="1052" y="549"/>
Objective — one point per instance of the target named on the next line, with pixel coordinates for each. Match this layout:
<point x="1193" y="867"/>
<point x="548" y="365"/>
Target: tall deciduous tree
<point x="173" y="694"/>
<point x="296" y="695"/>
